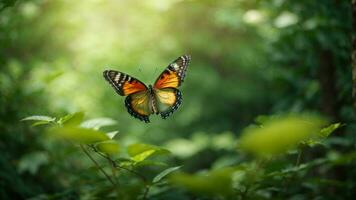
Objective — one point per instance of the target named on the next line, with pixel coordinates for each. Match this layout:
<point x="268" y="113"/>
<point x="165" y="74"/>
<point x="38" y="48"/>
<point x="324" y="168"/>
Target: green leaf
<point x="108" y="147"/>
<point x="52" y="76"/>
<point x="280" y="134"/>
<point x="73" y="119"/>
<point x="39" y="120"/>
<point x="125" y="162"/>
<point x="325" y="132"/>
<point x="135" y="149"/>
<point x="142" y="156"/>
<point x="80" y="135"/>
<point x="164" y="173"/>
<point x="98" y="123"/>
<point x="112" y="134"/>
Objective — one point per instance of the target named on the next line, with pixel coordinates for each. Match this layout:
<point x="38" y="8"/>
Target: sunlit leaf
<point x="112" y="134"/>
<point x="281" y="134"/>
<point x="143" y="155"/>
<point x="98" y="123"/>
<point x="108" y="147"/>
<point x="39" y="118"/>
<point x="135" y="149"/>
<point x="164" y="173"/>
<point x="325" y="132"/>
<point x="80" y="135"/>
<point x="72" y="119"/>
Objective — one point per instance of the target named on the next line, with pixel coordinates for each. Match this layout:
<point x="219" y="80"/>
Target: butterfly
<point x="162" y="98"/>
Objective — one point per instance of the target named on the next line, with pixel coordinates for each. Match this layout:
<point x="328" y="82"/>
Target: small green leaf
<point x="125" y="162"/>
<point x="80" y="135"/>
<point x="139" y="148"/>
<point x="108" y="147"/>
<point x="325" y="132"/>
<point x="39" y="118"/>
<point x="142" y="156"/>
<point x="73" y="119"/>
<point x="40" y="123"/>
<point x="164" y="173"/>
<point x="112" y="134"/>
<point x="98" y="123"/>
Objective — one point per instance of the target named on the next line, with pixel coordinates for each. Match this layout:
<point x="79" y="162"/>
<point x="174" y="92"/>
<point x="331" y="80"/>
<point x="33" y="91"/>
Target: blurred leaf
<point x="125" y="162"/>
<point x="32" y="162"/>
<point x="164" y="173"/>
<point x="73" y="119"/>
<point x="80" y="135"/>
<point x="52" y="76"/>
<point x="324" y="133"/>
<point x="40" y="120"/>
<point x="112" y="134"/>
<point x="108" y="147"/>
<point x="279" y="135"/>
<point x="98" y="123"/>
<point x="216" y="182"/>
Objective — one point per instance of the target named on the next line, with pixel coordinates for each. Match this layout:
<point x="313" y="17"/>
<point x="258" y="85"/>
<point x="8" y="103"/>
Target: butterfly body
<point x="162" y="98"/>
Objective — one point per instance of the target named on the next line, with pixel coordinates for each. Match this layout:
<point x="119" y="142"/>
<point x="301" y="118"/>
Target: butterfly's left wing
<point x="168" y="97"/>
<point x="137" y="101"/>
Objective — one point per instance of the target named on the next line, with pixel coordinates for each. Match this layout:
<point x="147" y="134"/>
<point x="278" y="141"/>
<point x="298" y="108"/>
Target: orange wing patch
<point x="168" y="79"/>
<point x="123" y="84"/>
<point x="132" y="87"/>
<point x="173" y="75"/>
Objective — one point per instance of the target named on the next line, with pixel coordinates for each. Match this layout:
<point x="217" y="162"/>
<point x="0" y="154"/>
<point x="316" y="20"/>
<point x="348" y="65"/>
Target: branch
<point x="97" y="165"/>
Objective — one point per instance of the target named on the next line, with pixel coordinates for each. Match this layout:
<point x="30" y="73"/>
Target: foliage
<point x="267" y="111"/>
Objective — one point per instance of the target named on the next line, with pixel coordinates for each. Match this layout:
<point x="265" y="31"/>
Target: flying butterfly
<point x="162" y="98"/>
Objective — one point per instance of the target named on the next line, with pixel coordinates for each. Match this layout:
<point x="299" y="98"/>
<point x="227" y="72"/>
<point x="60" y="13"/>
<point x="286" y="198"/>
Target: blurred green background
<point x="250" y="58"/>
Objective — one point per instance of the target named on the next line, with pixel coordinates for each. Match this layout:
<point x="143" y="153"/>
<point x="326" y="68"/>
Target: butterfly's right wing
<point x="137" y="101"/>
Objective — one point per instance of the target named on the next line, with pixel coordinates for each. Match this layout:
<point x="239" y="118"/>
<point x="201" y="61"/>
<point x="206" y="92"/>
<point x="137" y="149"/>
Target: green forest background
<point x="266" y="114"/>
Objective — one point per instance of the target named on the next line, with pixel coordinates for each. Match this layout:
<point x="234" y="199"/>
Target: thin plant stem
<point x="113" y="163"/>
<point x="299" y="158"/>
<point x="97" y="165"/>
<point x="147" y="189"/>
